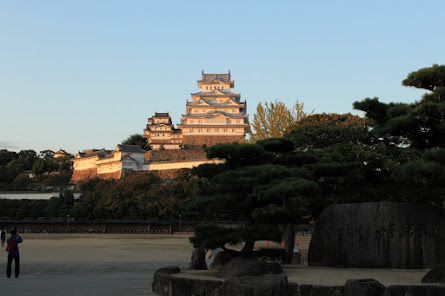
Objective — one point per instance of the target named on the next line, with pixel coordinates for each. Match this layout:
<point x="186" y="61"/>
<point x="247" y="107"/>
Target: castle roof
<point x="214" y="103"/>
<point x="161" y="114"/>
<point x="216" y="93"/>
<point x="213" y="113"/>
<point x="212" y="77"/>
<point x="130" y="148"/>
<point x="93" y="152"/>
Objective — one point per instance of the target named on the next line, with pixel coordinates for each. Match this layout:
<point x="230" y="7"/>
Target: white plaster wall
<point x="84" y="163"/>
<point x="196" y="131"/>
<point x="26" y="195"/>
<point x="107" y="168"/>
<point x="173" y="165"/>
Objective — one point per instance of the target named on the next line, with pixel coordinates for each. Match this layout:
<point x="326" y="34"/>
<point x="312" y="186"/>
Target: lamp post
<point x="180" y="222"/>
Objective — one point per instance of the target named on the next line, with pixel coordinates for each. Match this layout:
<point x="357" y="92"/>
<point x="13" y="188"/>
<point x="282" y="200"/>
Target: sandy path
<point x="92" y="264"/>
<point x="94" y="248"/>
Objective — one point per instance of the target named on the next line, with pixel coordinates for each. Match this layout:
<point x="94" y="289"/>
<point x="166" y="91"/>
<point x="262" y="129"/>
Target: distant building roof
<point x="212" y="77"/>
<point x="161" y="114"/>
<point x="93" y="152"/>
<point x="216" y="94"/>
<point x="212" y="113"/>
<point x="130" y="148"/>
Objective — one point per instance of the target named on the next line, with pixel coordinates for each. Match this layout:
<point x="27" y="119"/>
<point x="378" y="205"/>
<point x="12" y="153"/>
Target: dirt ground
<point x="108" y="264"/>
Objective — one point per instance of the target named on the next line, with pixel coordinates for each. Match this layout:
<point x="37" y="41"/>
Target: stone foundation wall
<point x="115" y="175"/>
<point x="177" y="154"/>
<point x="166" y="174"/>
<point x="83" y="175"/>
<point x="211" y="140"/>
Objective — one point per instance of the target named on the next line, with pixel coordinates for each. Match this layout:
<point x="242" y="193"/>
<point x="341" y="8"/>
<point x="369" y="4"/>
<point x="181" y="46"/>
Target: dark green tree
<point x="43" y="165"/>
<point x="420" y="124"/>
<point x="250" y="186"/>
<point x="136" y="139"/>
<point x="7" y="156"/>
<point x="354" y="164"/>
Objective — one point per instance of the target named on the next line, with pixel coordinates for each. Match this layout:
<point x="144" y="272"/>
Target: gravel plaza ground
<point x="111" y="264"/>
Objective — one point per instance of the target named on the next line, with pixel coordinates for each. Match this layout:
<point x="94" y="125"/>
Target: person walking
<point x="13" y="253"/>
<point x="3" y="236"/>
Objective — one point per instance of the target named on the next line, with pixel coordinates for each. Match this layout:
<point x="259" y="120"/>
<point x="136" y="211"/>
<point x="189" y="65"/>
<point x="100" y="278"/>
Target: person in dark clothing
<point x="198" y="259"/>
<point x="3" y="236"/>
<point x="13" y="253"/>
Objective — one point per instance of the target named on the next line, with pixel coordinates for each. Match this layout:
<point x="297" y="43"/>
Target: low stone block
<point x="363" y="287"/>
<point x="318" y="290"/>
<point x="240" y="266"/>
<point x="181" y="286"/>
<point x="305" y="290"/>
<point x="415" y="290"/>
<point x="435" y="275"/>
<point x="292" y="289"/>
<point x="263" y="285"/>
<point x="161" y="279"/>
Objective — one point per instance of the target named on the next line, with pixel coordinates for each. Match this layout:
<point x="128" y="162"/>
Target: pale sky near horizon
<point x="86" y="74"/>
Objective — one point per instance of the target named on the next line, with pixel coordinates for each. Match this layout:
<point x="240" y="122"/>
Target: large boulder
<point x="435" y="275"/>
<point x="240" y="266"/>
<point x="415" y="290"/>
<point x="263" y="285"/>
<point x="222" y="258"/>
<point x="365" y="287"/>
<point x="379" y="235"/>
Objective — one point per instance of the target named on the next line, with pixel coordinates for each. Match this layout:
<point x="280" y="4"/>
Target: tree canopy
<point x="274" y="119"/>
<point x="255" y="187"/>
<point x="421" y="124"/>
<point x="136" y="139"/>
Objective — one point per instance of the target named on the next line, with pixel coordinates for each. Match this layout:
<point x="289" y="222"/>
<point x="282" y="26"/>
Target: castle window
<point x="233" y="130"/>
<point x="208" y="130"/>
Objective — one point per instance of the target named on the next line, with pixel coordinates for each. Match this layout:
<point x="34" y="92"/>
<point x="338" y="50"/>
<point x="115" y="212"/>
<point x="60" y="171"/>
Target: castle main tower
<point x="215" y="114"/>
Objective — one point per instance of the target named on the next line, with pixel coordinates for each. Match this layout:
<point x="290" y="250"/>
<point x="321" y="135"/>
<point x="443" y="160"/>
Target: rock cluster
<point x="435" y="276"/>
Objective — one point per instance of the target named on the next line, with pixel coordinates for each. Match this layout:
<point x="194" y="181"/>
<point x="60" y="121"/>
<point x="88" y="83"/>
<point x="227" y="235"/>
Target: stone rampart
<point x="211" y="140"/>
<point x="177" y="154"/>
<point x="84" y="175"/>
<point x="167" y="174"/>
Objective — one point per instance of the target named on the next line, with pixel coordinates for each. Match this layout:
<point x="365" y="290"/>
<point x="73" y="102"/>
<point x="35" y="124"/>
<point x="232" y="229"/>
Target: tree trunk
<point x="289" y="241"/>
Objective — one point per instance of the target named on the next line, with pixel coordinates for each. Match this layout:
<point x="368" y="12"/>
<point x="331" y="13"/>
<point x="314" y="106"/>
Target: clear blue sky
<point x="86" y="74"/>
